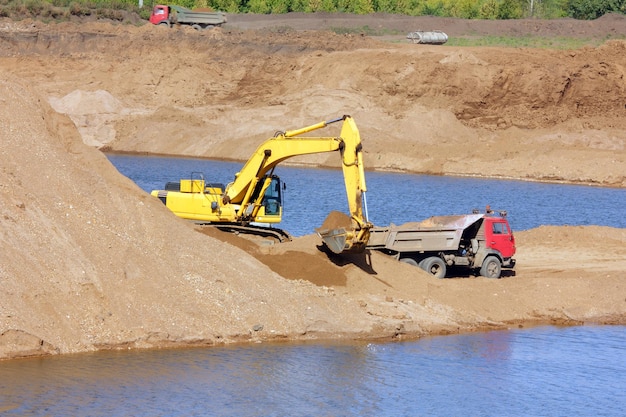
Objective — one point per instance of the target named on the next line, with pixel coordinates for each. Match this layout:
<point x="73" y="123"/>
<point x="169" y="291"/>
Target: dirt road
<point x="89" y="261"/>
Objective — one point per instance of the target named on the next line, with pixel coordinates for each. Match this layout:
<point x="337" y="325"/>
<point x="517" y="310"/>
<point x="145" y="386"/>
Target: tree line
<point x="464" y="9"/>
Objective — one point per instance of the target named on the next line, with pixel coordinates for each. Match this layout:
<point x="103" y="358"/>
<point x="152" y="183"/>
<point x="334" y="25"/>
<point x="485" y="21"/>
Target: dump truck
<point x="178" y="15"/>
<point x="252" y="202"/>
<point x="481" y="242"/>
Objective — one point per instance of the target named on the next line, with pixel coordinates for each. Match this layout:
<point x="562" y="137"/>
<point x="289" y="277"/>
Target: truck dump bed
<point x="438" y="233"/>
<point x="184" y="15"/>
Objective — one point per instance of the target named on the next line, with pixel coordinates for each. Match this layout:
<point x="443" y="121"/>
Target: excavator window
<point x="272" y="199"/>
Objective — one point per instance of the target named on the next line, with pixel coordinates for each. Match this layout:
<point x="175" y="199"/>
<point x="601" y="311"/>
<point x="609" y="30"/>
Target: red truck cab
<point x="499" y="245"/>
<point x="498" y="236"/>
<point x="159" y="14"/>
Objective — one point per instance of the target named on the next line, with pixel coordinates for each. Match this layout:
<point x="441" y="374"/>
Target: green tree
<point x="466" y="9"/>
<point x="321" y="6"/>
<point x="258" y="6"/>
<point x="355" y="6"/>
<point x="592" y="9"/>
<point x="279" y="6"/>
<point x="386" y="6"/>
<point x="510" y="9"/>
<point x="431" y="8"/>
<point x="228" y="6"/>
<point x="547" y="9"/>
<point x="299" y="5"/>
<point x="489" y="9"/>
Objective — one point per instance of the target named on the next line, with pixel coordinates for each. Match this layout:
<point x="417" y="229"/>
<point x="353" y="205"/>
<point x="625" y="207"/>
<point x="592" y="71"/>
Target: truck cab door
<point x="498" y="236"/>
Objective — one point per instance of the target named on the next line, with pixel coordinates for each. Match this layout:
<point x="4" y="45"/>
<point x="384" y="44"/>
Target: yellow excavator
<point x="254" y="197"/>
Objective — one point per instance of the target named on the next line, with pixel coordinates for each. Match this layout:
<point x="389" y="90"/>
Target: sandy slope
<point x="83" y="270"/>
<point x="503" y="112"/>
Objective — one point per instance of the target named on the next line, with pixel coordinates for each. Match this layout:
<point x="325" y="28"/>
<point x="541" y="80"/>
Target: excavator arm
<point x="339" y="233"/>
<point x="351" y="235"/>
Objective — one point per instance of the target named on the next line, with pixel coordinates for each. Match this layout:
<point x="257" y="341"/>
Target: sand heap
<point x="90" y="261"/>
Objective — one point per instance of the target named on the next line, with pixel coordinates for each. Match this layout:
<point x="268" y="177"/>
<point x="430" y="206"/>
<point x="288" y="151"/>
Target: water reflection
<point x="574" y="371"/>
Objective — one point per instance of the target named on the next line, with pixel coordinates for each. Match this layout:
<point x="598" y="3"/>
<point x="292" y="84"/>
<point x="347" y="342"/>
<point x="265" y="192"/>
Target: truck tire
<point x="434" y="266"/>
<point x="492" y="267"/>
<point x="164" y="24"/>
<point x="196" y="27"/>
<point x="409" y="261"/>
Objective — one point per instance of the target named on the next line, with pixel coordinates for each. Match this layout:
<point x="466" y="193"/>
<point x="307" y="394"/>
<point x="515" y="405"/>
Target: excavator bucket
<point x="334" y="239"/>
<point x="341" y="236"/>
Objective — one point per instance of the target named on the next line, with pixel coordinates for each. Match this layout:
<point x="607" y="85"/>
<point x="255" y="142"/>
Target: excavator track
<point x="279" y="235"/>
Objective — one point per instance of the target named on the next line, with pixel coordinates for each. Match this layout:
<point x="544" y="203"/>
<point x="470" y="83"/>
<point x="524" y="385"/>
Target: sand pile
<point x="90" y="261"/>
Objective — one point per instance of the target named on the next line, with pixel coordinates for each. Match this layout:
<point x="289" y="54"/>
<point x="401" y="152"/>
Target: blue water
<point x="545" y="371"/>
<point x="399" y="198"/>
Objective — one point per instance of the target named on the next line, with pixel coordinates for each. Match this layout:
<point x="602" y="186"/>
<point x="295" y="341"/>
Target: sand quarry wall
<point x="539" y="114"/>
<point x="89" y="261"/>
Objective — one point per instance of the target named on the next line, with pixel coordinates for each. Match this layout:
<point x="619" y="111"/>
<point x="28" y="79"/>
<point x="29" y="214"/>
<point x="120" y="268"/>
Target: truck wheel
<point x="164" y="24"/>
<point x="409" y="261"/>
<point x="434" y="266"/>
<point x="492" y="267"/>
<point x="196" y="27"/>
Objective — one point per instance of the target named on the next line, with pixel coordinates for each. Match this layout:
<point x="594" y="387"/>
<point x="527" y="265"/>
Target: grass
<point x="529" y="41"/>
<point x="541" y="42"/>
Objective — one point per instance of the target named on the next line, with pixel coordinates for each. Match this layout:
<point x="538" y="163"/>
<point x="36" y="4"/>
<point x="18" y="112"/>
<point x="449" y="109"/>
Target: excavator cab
<point x="271" y="204"/>
<point x="266" y="202"/>
<point x="273" y="199"/>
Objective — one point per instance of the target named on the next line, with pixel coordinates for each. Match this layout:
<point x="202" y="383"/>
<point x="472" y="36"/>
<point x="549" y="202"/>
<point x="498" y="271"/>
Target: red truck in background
<point x="481" y="242"/>
<point x="177" y="15"/>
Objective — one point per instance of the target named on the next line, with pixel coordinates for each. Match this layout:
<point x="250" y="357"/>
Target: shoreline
<point x="597" y="184"/>
<point x="398" y="336"/>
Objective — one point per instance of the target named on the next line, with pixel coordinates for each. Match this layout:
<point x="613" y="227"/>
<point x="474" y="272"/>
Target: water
<point x="399" y="198"/>
<point x="546" y="371"/>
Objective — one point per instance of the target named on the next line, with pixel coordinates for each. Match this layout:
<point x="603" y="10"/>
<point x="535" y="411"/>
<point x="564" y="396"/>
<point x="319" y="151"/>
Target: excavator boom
<point x="339" y="232"/>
